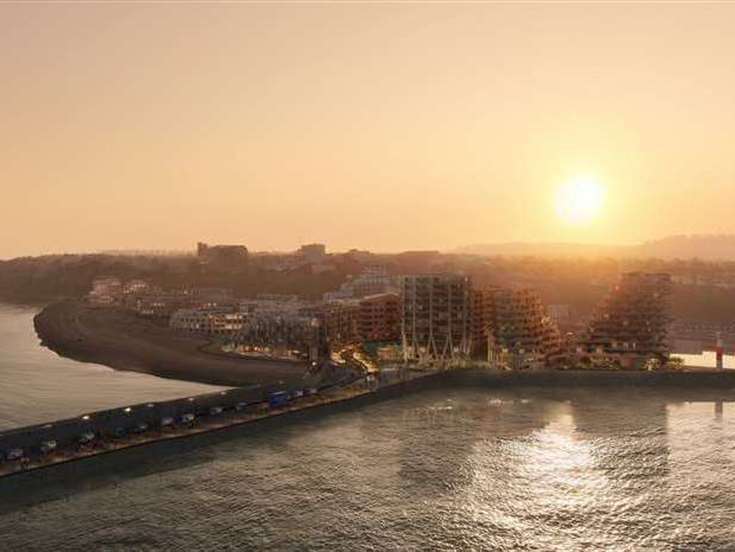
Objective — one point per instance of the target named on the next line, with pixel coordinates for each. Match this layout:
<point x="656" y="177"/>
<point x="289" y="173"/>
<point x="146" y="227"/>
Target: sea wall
<point x="109" y="423"/>
<point x="707" y="379"/>
<point x="66" y="432"/>
<point x="706" y="385"/>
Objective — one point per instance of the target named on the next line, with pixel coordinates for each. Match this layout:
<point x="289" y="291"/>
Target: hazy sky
<point x="375" y="126"/>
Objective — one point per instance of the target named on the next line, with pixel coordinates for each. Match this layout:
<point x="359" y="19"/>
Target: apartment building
<point x="379" y="318"/>
<point x="633" y="320"/>
<point x="436" y="317"/>
<point x="222" y="321"/>
<point x="512" y="324"/>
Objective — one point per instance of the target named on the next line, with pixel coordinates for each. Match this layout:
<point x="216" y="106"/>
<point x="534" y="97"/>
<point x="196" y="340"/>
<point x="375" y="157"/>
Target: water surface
<point x="456" y="469"/>
<point x="37" y="385"/>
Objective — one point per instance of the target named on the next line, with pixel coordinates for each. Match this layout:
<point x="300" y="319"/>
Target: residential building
<point x="372" y="281"/>
<point x="313" y="252"/>
<point x="436" y="317"/>
<point x="632" y="322"/>
<point x="136" y="287"/>
<point x="282" y="335"/>
<point x="512" y="325"/>
<point x="379" y="317"/>
<point x="561" y="314"/>
<point x="210" y="321"/>
<point x="106" y="290"/>
<point x="222" y="256"/>
<point x="341" y="322"/>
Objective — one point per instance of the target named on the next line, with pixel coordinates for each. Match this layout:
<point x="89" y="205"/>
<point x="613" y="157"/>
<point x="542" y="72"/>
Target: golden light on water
<point x="580" y="200"/>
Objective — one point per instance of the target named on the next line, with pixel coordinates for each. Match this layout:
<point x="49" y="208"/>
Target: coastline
<point x="120" y="340"/>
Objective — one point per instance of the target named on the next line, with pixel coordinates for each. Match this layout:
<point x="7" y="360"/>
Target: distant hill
<point x="709" y="247"/>
<point x="705" y="247"/>
<point x="541" y="249"/>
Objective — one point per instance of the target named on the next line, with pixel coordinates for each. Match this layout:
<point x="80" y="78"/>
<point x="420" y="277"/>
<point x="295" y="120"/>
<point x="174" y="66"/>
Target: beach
<point x="119" y="339"/>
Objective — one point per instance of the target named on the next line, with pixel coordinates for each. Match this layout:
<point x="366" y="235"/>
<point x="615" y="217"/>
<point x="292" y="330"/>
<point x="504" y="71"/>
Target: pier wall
<point x="105" y="423"/>
<point x="712" y="380"/>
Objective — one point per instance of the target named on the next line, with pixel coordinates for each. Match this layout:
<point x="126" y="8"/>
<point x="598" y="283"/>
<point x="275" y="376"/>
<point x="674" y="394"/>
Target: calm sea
<point x="453" y="469"/>
<point x="36" y="385"/>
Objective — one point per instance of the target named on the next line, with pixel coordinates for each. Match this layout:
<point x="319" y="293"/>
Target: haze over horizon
<point x="386" y="127"/>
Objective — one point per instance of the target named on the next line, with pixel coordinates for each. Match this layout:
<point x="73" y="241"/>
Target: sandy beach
<point x="123" y="341"/>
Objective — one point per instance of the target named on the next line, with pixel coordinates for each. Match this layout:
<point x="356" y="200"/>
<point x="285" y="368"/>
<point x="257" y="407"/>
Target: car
<point x="187" y="418"/>
<point x="15" y="454"/>
<point x="278" y="398"/>
<point x="140" y="428"/>
<point x="48" y="447"/>
<point x="167" y="421"/>
<point x="86" y="437"/>
<point x="215" y="410"/>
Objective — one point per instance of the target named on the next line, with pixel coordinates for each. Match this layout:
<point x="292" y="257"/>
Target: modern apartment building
<point x="436" y="317"/>
<point x="285" y="335"/>
<point x="210" y="321"/>
<point x="340" y="320"/>
<point x="373" y="280"/>
<point x="512" y="326"/>
<point x="379" y="317"/>
<point x="633" y="320"/>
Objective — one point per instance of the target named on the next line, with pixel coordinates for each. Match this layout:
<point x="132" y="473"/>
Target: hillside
<point x="705" y="247"/>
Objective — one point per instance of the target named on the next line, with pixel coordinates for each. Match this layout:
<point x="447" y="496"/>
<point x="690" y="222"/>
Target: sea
<point x="461" y="468"/>
<point x="37" y="385"/>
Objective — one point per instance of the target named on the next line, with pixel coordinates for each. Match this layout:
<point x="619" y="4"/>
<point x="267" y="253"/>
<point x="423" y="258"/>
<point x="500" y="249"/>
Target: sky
<point x="385" y="127"/>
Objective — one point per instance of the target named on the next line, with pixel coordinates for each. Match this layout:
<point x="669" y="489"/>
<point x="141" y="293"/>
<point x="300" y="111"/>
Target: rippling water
<point x="36" y="385"/>
<point x="459" y="469"/>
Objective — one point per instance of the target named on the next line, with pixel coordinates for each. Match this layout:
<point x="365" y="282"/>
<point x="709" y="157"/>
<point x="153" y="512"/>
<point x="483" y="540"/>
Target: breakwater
<point x="105" y="431"/>
<point x="705" y="380"/>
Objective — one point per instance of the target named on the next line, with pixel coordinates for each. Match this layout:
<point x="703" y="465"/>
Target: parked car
<point x="48" y="446"/>
<point x="15" y="454"/>
<point x="140" y="428"/>
<point x="119" y="432"/>
<point x="278" y="398"/>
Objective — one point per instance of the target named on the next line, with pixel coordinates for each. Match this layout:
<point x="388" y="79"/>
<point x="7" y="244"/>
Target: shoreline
<point x="122" y="341"/>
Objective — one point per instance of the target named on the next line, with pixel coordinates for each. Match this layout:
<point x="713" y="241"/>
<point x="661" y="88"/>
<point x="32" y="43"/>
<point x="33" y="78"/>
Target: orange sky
<point x="375" y="126"/>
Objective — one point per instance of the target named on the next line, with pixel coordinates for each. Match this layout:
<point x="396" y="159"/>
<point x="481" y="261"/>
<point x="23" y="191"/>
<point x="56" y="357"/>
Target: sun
<point x="580" y="200"/>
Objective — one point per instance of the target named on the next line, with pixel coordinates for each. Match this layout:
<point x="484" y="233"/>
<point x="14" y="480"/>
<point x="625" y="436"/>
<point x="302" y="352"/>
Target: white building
<point x="210" y="321"/>
<point x="374" y="280"/>
<point x="106" y="290"/>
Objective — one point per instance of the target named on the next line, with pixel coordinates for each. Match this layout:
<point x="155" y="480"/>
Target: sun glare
<point x="580" y="200"/>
